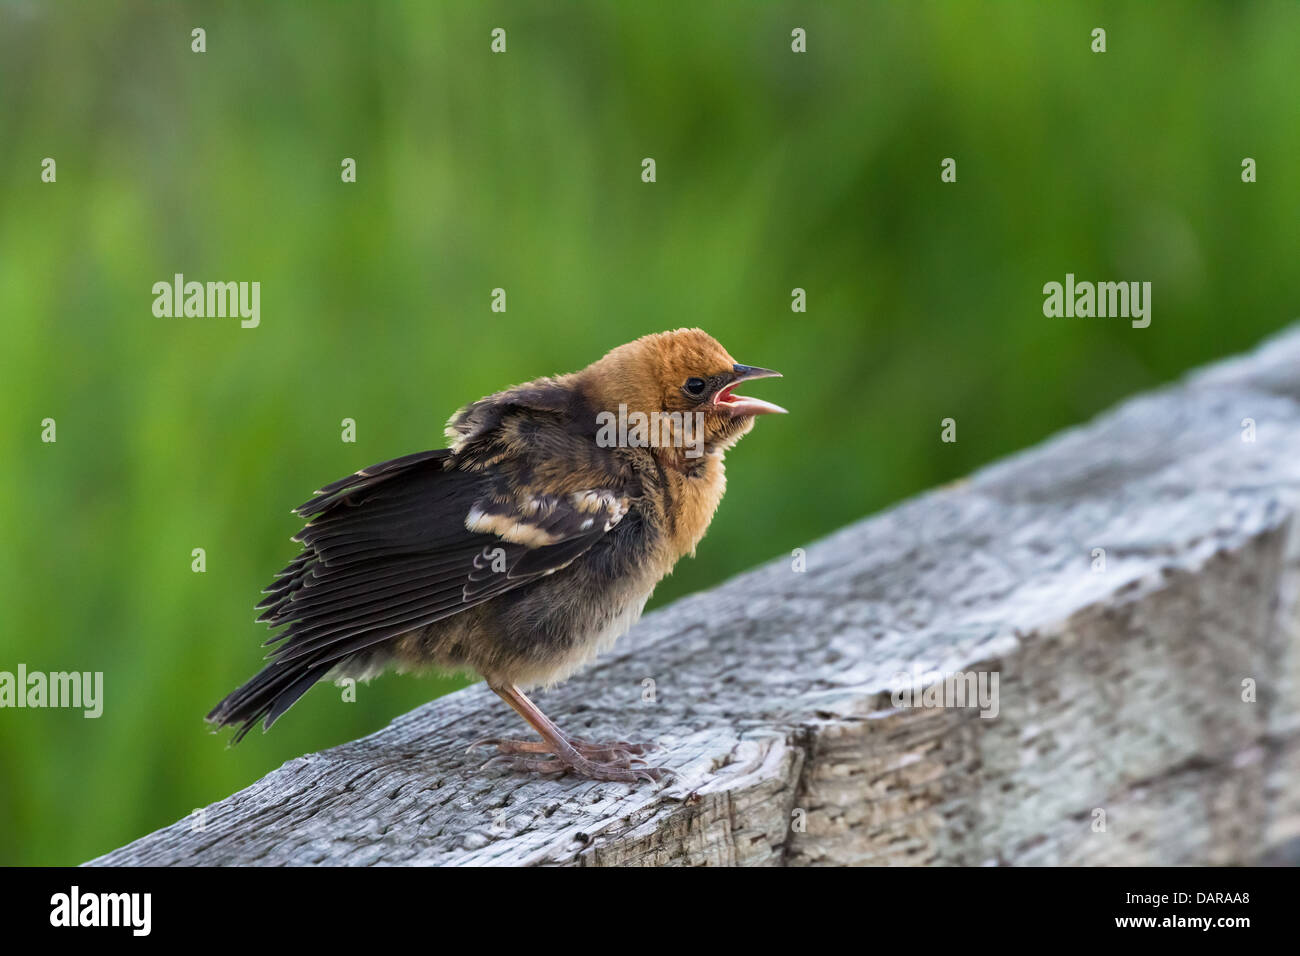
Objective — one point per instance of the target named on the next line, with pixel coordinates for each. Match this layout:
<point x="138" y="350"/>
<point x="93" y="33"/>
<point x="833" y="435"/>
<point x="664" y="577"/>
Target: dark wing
<point x="398" y="546"/>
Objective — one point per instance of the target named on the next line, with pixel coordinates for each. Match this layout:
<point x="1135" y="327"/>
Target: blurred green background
<point x="776" y="170"/>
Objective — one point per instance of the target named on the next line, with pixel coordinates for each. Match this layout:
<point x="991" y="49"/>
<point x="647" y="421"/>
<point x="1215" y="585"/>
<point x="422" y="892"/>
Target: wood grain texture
<point x="1120" y="690"/>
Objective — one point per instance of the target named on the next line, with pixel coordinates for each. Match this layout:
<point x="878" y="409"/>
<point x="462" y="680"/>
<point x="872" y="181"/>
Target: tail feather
<point x="383" y="532"/>
<point x="268" y="695"/>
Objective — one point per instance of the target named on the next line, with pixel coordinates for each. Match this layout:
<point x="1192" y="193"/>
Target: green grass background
<point x="522" y="171"/>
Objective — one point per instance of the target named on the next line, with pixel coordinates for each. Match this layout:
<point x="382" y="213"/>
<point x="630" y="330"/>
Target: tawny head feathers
<point x="686" y="371"/>
<point x="651" y="373"/>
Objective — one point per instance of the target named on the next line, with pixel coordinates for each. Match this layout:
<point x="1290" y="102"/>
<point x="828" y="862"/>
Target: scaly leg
<point x="599" y="761"/>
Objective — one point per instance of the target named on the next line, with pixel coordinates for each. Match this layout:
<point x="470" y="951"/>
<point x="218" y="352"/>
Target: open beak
<point x="737" y="405"/>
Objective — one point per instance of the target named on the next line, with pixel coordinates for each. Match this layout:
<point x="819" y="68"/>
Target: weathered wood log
<point x="1127" y="583"/>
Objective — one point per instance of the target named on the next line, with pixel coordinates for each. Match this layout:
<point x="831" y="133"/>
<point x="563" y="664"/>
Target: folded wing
<point x="401" y="545"/>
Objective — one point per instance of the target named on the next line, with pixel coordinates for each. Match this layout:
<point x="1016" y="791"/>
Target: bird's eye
<point x="694" y="386"/>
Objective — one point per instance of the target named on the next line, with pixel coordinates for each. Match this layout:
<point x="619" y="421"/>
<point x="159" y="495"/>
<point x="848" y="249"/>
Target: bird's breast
<point x="689" y="501"/>
<point x="550" y="630"/>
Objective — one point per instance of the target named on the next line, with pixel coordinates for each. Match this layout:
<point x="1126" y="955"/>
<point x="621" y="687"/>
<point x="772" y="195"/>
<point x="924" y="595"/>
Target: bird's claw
<point x="621" y="767"/>
<point x="588" y="747"/>
<point x="490" y="742"/>
<point x="618" y="760"/>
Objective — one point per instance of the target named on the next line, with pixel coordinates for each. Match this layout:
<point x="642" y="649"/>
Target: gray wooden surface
<point x="1121" y="736"/>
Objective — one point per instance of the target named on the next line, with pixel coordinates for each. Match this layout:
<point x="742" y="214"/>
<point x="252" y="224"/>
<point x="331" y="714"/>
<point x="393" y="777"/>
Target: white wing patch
<point x="543" y="520"/>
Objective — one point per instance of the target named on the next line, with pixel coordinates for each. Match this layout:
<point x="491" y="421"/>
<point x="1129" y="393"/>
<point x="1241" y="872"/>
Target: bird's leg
<point x="599" y="761"/>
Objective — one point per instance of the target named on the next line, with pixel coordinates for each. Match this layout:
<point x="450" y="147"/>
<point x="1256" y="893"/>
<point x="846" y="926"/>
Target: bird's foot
<point x="616" y="760"/>
<point x="598" y="751"/>
<point x="594" y="749"/>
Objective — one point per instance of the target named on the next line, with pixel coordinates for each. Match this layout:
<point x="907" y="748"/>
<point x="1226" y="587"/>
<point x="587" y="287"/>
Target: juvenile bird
<point x="521" y="551"/>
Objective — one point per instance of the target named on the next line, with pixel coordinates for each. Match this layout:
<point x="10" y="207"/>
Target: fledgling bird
<point x="520" y="552"/>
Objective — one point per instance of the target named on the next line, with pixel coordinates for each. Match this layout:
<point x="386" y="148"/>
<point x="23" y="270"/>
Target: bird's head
<point x="679" y="374"/>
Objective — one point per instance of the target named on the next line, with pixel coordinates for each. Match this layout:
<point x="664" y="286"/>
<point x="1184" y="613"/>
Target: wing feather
<point x="401" y="545"/>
